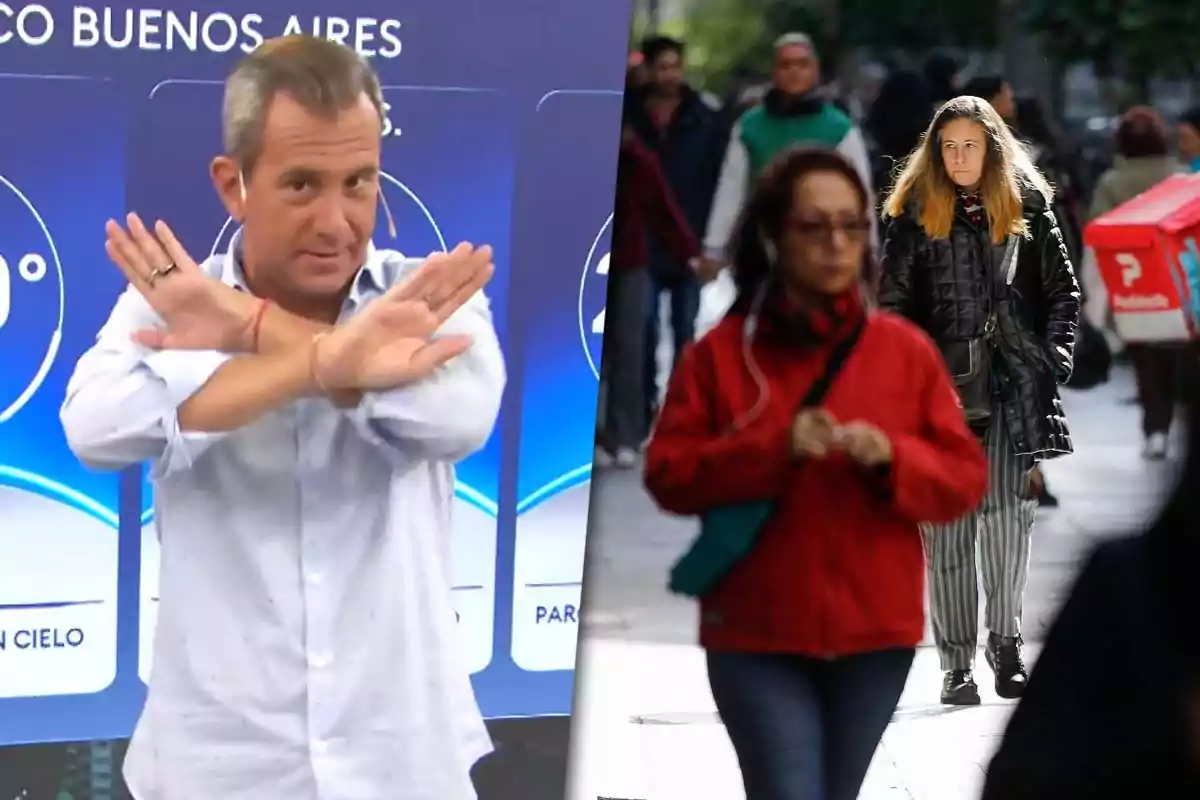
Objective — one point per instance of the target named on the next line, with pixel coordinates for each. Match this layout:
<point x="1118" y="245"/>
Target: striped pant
<point x="1000" y="529"/>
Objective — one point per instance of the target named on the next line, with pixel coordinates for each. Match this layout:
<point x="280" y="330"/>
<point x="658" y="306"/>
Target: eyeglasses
<point x="823" y="230"/>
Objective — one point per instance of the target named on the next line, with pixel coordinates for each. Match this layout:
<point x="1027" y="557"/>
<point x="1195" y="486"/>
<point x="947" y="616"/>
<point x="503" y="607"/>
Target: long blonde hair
<point x="1008" y="175"/>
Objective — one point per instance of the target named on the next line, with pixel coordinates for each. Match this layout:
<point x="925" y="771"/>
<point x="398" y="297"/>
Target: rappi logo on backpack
<point x="31" y="300"/>
<point x="593" y="296"/>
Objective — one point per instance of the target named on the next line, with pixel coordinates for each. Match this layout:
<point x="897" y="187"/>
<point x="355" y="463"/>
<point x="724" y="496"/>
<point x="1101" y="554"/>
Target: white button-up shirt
<point x="306" y="646"/>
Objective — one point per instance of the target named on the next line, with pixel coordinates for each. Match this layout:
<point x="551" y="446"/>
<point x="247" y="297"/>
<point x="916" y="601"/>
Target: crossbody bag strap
<point x="1002" y="278"/>
<point x="838" y="356"/>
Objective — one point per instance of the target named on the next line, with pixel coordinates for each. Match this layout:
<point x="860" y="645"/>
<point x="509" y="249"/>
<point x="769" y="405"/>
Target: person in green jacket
<point x="793" y="113"/>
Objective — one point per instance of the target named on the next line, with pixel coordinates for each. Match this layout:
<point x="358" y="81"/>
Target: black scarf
<point x="780" y="104"/>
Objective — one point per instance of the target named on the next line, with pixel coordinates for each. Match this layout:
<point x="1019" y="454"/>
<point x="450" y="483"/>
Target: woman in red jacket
<point x="810" y="635"/>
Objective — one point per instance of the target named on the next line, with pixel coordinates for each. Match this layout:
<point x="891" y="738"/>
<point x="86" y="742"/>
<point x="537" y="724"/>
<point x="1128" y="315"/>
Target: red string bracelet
<point x="256" y="326"/>
<point x="314" y="372"/>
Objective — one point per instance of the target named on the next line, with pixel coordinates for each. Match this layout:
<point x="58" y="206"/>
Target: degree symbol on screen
<point x="588" y="322"/>
<point x="387" y="178"/>
<point x="33" y="268"/>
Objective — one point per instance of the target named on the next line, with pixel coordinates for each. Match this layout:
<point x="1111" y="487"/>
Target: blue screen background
<point x="84" y="140"/>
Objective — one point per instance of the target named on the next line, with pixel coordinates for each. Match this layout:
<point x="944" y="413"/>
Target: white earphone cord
<point x="760" y="380"/>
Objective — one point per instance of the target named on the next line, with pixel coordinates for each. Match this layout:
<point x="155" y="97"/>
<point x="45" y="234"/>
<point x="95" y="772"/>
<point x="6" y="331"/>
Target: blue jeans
<point x="685" y="305"/>
<point x="805" y="728"/>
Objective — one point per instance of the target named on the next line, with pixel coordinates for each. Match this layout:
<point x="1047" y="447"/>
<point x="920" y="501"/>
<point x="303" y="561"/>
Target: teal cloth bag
<point x="729" y="533"/>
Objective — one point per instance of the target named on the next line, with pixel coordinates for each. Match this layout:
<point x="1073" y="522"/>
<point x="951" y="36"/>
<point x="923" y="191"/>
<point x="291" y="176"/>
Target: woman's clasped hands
<point x="816" y="433"/>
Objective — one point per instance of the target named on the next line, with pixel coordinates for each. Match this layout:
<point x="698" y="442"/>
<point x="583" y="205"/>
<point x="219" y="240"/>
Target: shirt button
<point x="319" y="661"/>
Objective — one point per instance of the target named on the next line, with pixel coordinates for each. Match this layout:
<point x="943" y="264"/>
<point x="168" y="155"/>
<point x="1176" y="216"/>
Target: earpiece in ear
<point x="242" y="184"/>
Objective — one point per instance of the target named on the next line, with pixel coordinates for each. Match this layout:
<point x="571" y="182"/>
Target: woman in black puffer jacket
<point x="974" y="255"/>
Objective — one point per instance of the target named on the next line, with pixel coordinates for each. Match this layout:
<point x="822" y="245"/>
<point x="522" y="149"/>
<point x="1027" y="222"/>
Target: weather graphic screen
<point x="58" y="539"/>
<point x="99" y="119"/>
<point x="563" y="355"/>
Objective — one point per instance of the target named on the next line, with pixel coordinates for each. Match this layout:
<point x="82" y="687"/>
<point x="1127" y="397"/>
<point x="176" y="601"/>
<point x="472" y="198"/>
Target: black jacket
<point x="691" y="150"/>
<point x="947" y="287"/>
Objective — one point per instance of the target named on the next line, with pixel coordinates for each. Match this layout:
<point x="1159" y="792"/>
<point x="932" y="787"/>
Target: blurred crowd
<point x="839" y="461"/>
<point x="685" y="172"/>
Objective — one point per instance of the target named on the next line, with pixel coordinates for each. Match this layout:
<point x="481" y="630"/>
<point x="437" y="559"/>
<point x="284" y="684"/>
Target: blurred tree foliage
<point x="918" y="26"/>
<point x="1137" y="39"/>
<point x="730" y="36"/>
<point x="725" y="37"/>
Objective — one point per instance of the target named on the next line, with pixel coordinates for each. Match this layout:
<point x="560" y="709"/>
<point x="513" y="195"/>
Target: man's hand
<point x="707" y="269"/>
<point x="813" y="433"/>
<point x="199" y="311"/>
<point x="391" y="341"/>
<point x="864" y="443"/>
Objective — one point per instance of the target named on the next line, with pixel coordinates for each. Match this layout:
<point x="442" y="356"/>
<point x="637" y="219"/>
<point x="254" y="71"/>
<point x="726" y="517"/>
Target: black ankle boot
<point x="959" y="689"/>
<point x="1003" y="655"/>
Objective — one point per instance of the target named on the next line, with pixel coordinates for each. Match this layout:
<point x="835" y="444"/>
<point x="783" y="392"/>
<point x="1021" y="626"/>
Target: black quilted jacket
<point x="945" y="286"/>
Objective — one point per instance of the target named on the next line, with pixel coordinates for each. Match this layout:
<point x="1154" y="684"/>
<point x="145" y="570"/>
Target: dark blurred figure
<point x="942" y="73"/>
<point x="1143" y="161"/>
<point x="745" y="96"/>
<point x="643" y="206"/>
<point x="997" y="91"/>
<point x="1112" y="710"/>
<point x="1188" y="133"/>
<point x="687" y="135"/>
<point x="864" y="89"/>
<point x="894" y="124"/>
<point x="1052" y="155"/>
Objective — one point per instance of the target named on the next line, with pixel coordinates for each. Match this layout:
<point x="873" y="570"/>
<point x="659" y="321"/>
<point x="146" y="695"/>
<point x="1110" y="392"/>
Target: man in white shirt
<point x="303" y="398"/>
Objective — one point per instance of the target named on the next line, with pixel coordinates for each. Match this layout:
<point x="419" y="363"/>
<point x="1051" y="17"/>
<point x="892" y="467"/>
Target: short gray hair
<point x="795" y="39"/>
<point x="322" y="76"/>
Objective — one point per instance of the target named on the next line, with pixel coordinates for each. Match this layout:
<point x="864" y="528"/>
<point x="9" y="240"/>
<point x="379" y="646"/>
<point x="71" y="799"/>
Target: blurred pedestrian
<point x="895" y="123"/>
<point x="974" y="256"/>
<point x="643" y="204"/>
<point x="943" y="73"/>
<point x="1188" y="133"/>
<point x="864" y="89"/>
<point x="794" y="112"/>
<point x="1112" y="710"/>
<point x="1142" y="161"/>
<point x="684" y="130"/>
<point x="997" y="91"/>
<point x="1053" y="157"/>
<point x="810" y="633"/>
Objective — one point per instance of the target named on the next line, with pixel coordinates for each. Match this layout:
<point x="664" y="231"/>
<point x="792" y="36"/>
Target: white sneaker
<point x="626" y="458"/>
<point x="1155" y="447"/>
<point x="601" y="458"/>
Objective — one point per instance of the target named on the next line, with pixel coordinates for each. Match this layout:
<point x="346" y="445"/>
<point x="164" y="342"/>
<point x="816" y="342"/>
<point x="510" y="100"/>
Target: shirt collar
<point x="370" y="275"/>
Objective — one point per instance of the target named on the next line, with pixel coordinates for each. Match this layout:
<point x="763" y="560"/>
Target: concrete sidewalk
<point x="645" y="727"/>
